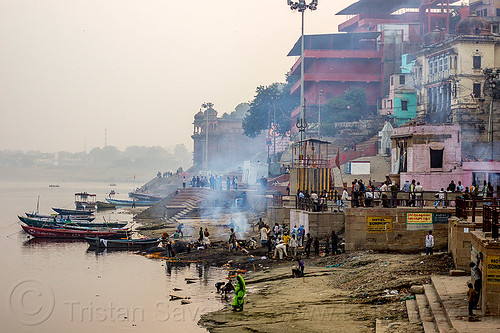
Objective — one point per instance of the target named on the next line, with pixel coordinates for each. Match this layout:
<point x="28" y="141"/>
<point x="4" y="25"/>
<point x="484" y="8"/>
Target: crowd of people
<point x="214" y="182"/>
<point x="281" y="242"/>
<point x="386" y="193"/>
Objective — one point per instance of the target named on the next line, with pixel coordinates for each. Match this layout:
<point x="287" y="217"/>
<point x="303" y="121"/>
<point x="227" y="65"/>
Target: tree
<point x="271" y="100"/>
<point x="351" y="106"/>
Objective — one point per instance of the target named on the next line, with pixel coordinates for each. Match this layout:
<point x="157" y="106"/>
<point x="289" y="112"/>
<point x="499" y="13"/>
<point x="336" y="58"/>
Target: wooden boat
<point x="122" y="244"/>
<point x="66" y="233"/>
<point x="144" y="196"/>
<point x="138" y="203"/>
<point x="57" y="216"/>
<point x="41" y="223"/>
<point x="105" y="205"/>
<point x="85" y="201"/>
<point x="73" y="212"/>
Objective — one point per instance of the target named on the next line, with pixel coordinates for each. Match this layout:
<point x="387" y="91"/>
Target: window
<point x="476" y="90"/>
<point x="455" y="63"/>
<point x="404" y="105"/>
<point x="476" y="61"/>
<point x="392" y="80"/>
<point x="402" y="79"/>
<point x="436" y="158"/>
<point x="440" y="65"/>
<point x="445" y="66"/>
<point x="498" y="11"/>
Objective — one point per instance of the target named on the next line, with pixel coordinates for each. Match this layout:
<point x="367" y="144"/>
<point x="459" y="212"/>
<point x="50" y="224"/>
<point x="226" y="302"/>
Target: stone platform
<point x="443" y="308"/>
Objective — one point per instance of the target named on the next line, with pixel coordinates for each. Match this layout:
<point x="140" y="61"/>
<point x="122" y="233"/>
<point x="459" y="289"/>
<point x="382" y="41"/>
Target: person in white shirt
<point x="419" y="190"/>
<point x="293" y="245"/>
<point x="429" y="243"/>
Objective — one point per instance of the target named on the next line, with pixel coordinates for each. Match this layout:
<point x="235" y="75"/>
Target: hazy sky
<point x="140" y="69"/>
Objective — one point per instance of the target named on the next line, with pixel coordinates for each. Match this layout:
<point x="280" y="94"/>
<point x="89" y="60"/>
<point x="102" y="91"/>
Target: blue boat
<point x="130" y="203"/>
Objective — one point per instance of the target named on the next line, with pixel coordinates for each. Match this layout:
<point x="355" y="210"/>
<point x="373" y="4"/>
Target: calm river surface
<point x="59" y="286"/>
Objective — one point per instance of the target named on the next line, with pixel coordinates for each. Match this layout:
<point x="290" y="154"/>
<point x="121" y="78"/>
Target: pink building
<point x="432" y="155"/>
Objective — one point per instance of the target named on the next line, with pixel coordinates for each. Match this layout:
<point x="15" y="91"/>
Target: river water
<point x="60" y="286"/>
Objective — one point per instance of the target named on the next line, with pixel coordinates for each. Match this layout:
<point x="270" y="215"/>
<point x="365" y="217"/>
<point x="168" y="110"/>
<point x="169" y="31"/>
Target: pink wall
<point x="428" y="136"/>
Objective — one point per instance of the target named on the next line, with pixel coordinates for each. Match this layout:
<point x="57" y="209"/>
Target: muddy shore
<point x="349" y="292"/>
<point x="343" y="293"/>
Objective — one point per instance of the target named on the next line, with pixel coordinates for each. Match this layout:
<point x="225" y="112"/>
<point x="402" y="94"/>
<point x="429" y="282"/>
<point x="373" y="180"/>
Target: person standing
<point x="412" y="193"/>
<point x="308" y="245"/>
<point x="239" y="294"/>
<point x="472" y="299"/>
<point x="406" y="189"/>
<point x="263" y="235"/>
<point x="316" y="246"/>
<point x="293" y="246"/>
<point x="335" y="241"/>
<point x="394" y="195"/>
<point x="201" y="234"/>
<point x="429" y="243"/>
<point x="477" y="276"/>
<point x="419" y="195"/>
<point x="232" y="240"/>
<point x="300" y="235"/>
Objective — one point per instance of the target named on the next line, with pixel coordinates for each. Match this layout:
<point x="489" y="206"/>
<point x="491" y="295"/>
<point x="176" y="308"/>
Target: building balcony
<point x="335" y="54"/>
<point x="336" y="77"/>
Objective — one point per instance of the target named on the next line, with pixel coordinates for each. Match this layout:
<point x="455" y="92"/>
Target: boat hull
<point x="122" y="244"/>
<point x="41" y="223"/>
<point x="130" y="203"/>
<point x="105" y="205"/>
<point x="65" y="233"/>
<point x="73" y="212"/>
<point x="71" y="217"/>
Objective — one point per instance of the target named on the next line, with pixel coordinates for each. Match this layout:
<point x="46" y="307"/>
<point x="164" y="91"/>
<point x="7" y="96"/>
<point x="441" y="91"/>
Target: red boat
<point x="66" y="233"/>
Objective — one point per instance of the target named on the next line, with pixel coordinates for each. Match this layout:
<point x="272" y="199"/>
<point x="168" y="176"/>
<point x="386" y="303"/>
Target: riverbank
<point x="349" y="292"/>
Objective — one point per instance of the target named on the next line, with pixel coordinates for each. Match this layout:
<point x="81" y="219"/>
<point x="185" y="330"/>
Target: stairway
<point x="187" y="199"/>
<point x="443" y="308"/>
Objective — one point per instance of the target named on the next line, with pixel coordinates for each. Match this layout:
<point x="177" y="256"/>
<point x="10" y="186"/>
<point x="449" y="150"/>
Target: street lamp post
<point x="319" y="114"/>
<point x="301" y="6"/>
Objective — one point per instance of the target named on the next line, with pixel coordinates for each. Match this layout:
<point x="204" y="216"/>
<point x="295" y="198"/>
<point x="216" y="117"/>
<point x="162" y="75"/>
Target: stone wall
<point x="459" y="242"/>
<point x="278" y="215"/>
<point x="483" y="244"/>
<point x="318" y="224"/>
<point x="395" y="229"/>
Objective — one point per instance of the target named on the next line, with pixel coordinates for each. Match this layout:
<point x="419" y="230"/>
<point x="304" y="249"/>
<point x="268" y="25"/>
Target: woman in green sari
<point x="239" y="292"/>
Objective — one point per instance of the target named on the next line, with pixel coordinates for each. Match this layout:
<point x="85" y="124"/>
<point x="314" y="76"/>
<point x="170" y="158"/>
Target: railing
<point x="387" y="199"/>
<point x="490" y="219"/>
<point x="472" y="207"/>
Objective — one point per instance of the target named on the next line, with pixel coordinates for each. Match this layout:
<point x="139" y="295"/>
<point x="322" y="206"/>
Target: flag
<point x="337" y="158"/>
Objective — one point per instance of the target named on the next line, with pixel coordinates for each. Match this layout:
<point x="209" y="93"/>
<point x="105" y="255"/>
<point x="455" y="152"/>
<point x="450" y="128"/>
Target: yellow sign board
<point x="419" y="218"/>
<point x="419" y="221"/>
<point x="379" y="224"/>
<point x="493" y="269"/>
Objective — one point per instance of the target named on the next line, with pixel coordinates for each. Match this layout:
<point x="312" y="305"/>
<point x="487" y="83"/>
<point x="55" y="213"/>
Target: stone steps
<point x="438" y="312"/>
<point x="425" y="314"/>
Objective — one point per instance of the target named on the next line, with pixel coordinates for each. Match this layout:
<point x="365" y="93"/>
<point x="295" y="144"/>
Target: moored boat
<point x="58" y="217"/>
<point x="137" y="203"/>
<point x="144" y="196"/>
<point x="105" y="205"/>
<point x="40" y="223"/>
<point x="122" y="244"/>
<point x="66" y="233"/>
<point x="74" y="212"/>
<point x="85" y="201"/>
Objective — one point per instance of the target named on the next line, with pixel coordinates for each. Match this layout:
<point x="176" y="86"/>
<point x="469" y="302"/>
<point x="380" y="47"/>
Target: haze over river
<point x="60" y="286"/>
